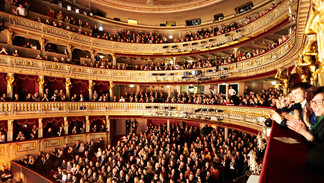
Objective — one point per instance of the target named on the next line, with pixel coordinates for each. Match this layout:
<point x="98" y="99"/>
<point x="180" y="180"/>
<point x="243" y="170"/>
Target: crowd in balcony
<point x="98" y="62"/>
<point x="58" y="19"/>
<point x="222" y="29"/>
<point x="267" y="98"/>
<point x="181" y="154"/>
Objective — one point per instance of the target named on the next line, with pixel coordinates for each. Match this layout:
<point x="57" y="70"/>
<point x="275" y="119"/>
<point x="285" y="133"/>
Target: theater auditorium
<point x="161" y="91"/>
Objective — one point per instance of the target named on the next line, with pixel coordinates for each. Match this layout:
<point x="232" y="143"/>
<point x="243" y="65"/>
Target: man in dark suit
<point x="296" y="105"/>
<point x="128" y="125"/>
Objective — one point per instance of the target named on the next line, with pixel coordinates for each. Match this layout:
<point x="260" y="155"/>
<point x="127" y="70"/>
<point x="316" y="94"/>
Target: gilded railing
<point x="55" y="69"/>
<point x="271" y="19"/>
<point x="18" y="149"/>
<point x="182" y="111"/>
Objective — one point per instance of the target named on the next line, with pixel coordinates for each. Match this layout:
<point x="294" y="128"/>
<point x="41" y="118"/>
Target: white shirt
<point x="231" y="92"/>
<point x="21" y="11"/>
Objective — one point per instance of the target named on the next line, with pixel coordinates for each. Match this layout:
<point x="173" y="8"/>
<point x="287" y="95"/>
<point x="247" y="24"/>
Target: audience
<point x="180" y="154"/>
<point x="266" y="98"/>
<point x="131" y="36"/>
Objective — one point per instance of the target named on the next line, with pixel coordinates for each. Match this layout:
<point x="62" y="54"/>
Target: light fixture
<point x="77" y="10"/>
<point x="131" y="85"/>
<point x="170" y="37"/>
<point x="273" y="82"/>
<point x="101" y="56"/>
<point x="69" y="7"/>
<point x="168" y="86"/>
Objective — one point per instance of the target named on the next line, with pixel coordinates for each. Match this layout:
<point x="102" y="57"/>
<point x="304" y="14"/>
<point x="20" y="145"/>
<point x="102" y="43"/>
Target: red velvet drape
<point x="4" y="125"/>
<point x="77" y="118"/>
<point x="3" y="83"/>
<point x="96" y="118"/>
<point x="25" y="84"/>
<point x="101" y="87"/>
<point x="156" y="122"/>
<point x="53" y="83"/>
<point x="55" y="121"/>
<point x="80" y="87"/>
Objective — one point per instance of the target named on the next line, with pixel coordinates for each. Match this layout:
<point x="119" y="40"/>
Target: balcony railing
<point x="271" y="19"/>
<point x="267" y="60"/>
<point x="216" y="113"/>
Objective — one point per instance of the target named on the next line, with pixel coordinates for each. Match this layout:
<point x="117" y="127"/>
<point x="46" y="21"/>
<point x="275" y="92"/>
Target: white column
<point x="87" y="124"/>
<point x="168" y="125"/>
<point x="40" y="128"/>
<point x="226" y="93"/>
<point x="66" y="125"/>
<point x="225" y="133"/>
<point x="108" y="129"/>
<point x="10" y="131"/>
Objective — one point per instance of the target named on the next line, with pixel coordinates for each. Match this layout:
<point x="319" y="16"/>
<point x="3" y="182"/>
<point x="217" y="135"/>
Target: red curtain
<point x="77" y="118"/>
<point x="3" y="83"/>
<point x="156" y="121"/>
<point x="4" y="125"/>
<point x="56" y="121"/>
<point x="96" y="118"/>
<point x="22" y="122"/>
<point x="101" y="87"/>
<point x="80" y="87"/>
<point x="53" y="83"/>
<point x="25" y="84"/>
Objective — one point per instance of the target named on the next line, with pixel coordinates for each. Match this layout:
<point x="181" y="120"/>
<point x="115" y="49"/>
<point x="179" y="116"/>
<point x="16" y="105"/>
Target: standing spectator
<point x="21" y="10"/>
<point x="231" y="91"/>
<point x="59" y="15"/>
<point x="2" y="137"/>
<point x="128" y="126"/>
<point x="51" y="13"/>
<point x="20" y="136"/>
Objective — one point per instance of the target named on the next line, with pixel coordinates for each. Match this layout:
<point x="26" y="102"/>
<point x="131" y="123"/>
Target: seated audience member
<point x="83" y="128"/>
<point x="4" y="51"/>
<point x="121" y="99"/>
<point x="74" y="98"/>
<point x="33" y="46"/>
<point x="55" y="97"/>
<point x="36" y="97"/>
<point x="74" y="130"/>
<point x="314" y="134"/>
<point x="45" y="98"/>
<point x="94" y="128"/>
<point x="60" y="131"/>
<point x="29" y="97"/>
<point x="15" y="53"/>
<point x="33" y="134"/>
<point x="16" y="97"/>
<point x="21" y="10"/>
<point x="81" y="98"/>
<point x="4" y="98"/>
<point x="2" y="136"/>
<point x="39" y="57"/>
<point x="20" y="136"/>
<point x="49" y="133"/>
